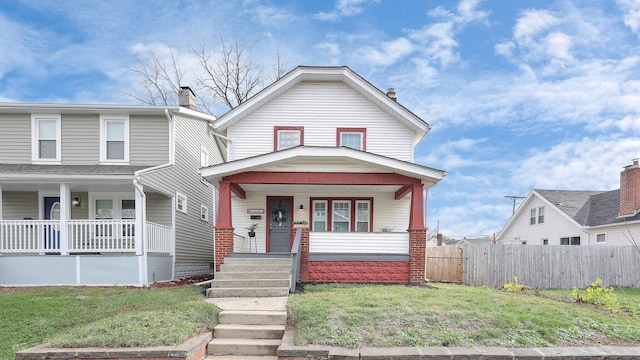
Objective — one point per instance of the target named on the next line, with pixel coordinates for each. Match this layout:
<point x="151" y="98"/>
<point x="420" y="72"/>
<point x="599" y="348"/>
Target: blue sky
<point x="521" y="94"/>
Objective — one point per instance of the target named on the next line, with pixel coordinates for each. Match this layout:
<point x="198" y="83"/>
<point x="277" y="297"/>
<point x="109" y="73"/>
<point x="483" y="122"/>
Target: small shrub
<point x="597" y="295"/>
<point x="514" y="286"/>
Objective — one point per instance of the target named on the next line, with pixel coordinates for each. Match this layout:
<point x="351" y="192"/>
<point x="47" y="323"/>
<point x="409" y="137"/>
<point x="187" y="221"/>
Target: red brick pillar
<point x="417" y="250"/>
<point x="304" y="255"/>
<point x="224" y="245"/>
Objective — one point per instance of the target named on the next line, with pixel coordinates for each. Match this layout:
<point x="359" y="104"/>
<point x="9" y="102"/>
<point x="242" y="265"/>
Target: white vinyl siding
<point x="80" y="139"/>
<point x="46" y="133"/>
<point x="19" y="205"/>
<point x="114" y="138"/>
<point x="359" y="243"/>
<point x="148" y="140"/>
<point x="322" y="108"/>
<point x="15" y="138"/>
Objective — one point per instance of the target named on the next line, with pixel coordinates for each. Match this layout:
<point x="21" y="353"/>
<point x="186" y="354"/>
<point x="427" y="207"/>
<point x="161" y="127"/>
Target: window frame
<point x="352" y="211"/>
<point x="276" y="136"/>
<point x="604" y="235"/>
<point x="349" y="212"/>
<point x="35" y="137"/>
<point x="116" y="204"/>
<point x="204" y="213"/>
<point x="361" y="131"/>
<point x="326" y="215"/>
<point x="181" y="202"/>
<point x="570" y="240"/>
<point x="536" y="215"/>
<point x="368" y="222"/>
<point x="104" y="121"/>
<point x="545" y="241"/>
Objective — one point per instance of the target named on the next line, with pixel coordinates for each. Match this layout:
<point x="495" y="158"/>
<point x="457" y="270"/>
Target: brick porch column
<point x="304" y="255"/>
<point x="224" y="245"/>
<point x="417" y="250"/>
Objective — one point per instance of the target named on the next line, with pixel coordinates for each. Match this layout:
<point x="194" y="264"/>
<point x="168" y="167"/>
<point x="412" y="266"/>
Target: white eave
<point x="324" y="74"/>
<point x="310" y="154"/>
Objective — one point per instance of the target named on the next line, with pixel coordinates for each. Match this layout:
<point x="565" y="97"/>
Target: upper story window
<point x="354" y="138"/>
<point x="285" y="137"/>
<point x="536" y="216"/>
<point x="45" y="137"/>
<point x="114" y="138"/>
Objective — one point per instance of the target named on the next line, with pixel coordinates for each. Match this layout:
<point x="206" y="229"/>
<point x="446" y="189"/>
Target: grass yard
<point x="457" y="315"/>
<point x="110" y="317"/>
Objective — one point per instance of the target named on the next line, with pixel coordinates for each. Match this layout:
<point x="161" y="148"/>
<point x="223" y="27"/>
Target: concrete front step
<point x="247" y="292"/>
<point x="238" y="331"/>
<point x="238" y="275"/>
<point x="249" y="260"/>
<point x="243" y="347"/>
<point x="241" y="317"/>
<point x="253" y="267"/>
<point x="250" y="283"/>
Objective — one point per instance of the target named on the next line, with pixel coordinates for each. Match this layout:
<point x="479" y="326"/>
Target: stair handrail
<point x="295" y="260"/>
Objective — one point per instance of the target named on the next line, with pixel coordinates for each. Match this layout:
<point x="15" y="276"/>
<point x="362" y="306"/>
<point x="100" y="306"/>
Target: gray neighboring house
<point x="579" y="217"/>
<point x="105" y="194"/>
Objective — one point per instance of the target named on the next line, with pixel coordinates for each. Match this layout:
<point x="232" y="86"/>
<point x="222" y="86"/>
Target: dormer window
<point x="286" y="137"/>
<point x="354" y="138"/>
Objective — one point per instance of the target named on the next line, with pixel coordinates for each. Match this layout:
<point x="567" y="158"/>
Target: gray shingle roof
<point x="28" y="169"/>
<point x="588" y="208"/>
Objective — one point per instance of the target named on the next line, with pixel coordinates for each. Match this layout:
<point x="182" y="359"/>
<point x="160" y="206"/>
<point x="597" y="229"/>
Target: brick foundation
<point x="359" y="271"/>
<point x="224" y="245"/>
<point x="417" y="250"/>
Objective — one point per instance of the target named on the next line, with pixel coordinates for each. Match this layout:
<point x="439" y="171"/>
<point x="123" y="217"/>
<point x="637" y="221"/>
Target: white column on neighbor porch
<point x="0" y="202"/>
<point x="65" y="214"/>
<point x="140" y="234"/>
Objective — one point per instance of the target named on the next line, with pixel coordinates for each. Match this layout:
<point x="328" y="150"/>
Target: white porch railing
<point x="84" y="236"/>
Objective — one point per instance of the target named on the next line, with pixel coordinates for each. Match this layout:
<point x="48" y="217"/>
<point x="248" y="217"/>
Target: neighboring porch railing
<point x="83" y="236"/>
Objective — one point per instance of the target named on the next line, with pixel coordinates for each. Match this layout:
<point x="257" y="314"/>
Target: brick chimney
<point x="630" y="189"/>
<point x="187" y="98"/>
<point x="391" y="92"/>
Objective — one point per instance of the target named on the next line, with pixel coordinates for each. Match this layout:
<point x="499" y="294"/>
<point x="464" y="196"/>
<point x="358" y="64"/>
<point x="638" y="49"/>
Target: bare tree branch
<point x="160" y="81"/>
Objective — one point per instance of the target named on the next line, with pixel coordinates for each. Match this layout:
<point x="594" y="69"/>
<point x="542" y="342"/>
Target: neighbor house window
<point x="354" y="138"/>
<point x="545" y="241"/>
<point x="536" y="216"/>
<point x="114" y="138"/>
<point x="574" y="240"/>
<point x="204" y="157"/>
<point x="601" y="238"/>
<point x="204" y="213"/>
<point x="286" y="137"/>
<point x="320" y="215"/>
<point x="128" y="209"/>
<point x="341" y="215"/>
<point x="46" y="134"/>
<point x="181" y="202"/>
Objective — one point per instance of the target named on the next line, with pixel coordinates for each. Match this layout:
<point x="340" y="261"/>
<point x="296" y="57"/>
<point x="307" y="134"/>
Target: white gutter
<point x="231" y="144"/>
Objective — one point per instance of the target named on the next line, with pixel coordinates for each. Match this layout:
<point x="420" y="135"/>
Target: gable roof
<point x="324" y="74"/>
<point x="584" y="208"/>
<point x="319" y="153"/>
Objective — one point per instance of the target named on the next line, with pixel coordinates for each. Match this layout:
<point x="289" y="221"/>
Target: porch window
<point x="128" y="209"/>
<point x="354" y="138"/>
<point x="104" y="209"/>
<point x="320" y="215"/>
<point x="286" y="137"/>
<point x="114" y="138"/>
<point x="363" y="215"/>
<point x="46" y="131"/>
<point x="341" y="215"/>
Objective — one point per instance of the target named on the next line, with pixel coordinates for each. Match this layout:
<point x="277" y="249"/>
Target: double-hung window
<point x="363" y="215"/>
<point x="536" y="215"/>
<point x="46" y="136"/>
<point x="320" y="215"/>
<point x="114" y="139"/>
<point x="341" y="215"/>
<point x="285" y="137"/>
<point x="354" y="138"/>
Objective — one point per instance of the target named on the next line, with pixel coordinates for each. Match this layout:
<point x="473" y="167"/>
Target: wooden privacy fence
<point x="552" y="266"/>
<point x="445" y="263"/>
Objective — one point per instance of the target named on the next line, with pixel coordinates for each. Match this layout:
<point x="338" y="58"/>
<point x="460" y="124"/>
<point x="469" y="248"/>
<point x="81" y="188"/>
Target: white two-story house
<point x="325" y="151"/>
<point x="105" y="194"/>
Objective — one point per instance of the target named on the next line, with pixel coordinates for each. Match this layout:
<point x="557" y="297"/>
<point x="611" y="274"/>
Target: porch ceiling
<point x="311" y="189"/>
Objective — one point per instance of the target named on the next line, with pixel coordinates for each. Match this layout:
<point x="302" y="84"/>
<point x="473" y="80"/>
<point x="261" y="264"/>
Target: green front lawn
<point x="457" y="315"/>
<point x="109" y="317"/>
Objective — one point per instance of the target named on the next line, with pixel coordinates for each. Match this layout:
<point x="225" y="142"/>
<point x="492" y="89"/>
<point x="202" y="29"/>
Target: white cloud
<point x="533" y="22"/>
<point x="344" y="8"/>
<point x="631" y="15"/>
<point x="437" y="43"/>
<point x="386" y="53"/>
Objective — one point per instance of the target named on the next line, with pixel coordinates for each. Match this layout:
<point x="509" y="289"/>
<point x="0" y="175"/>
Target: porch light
<point x="301" y="207"/>
<point x="75" y="202"/>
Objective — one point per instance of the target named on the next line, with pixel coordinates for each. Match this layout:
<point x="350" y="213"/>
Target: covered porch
<point x="91" y="229"/>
